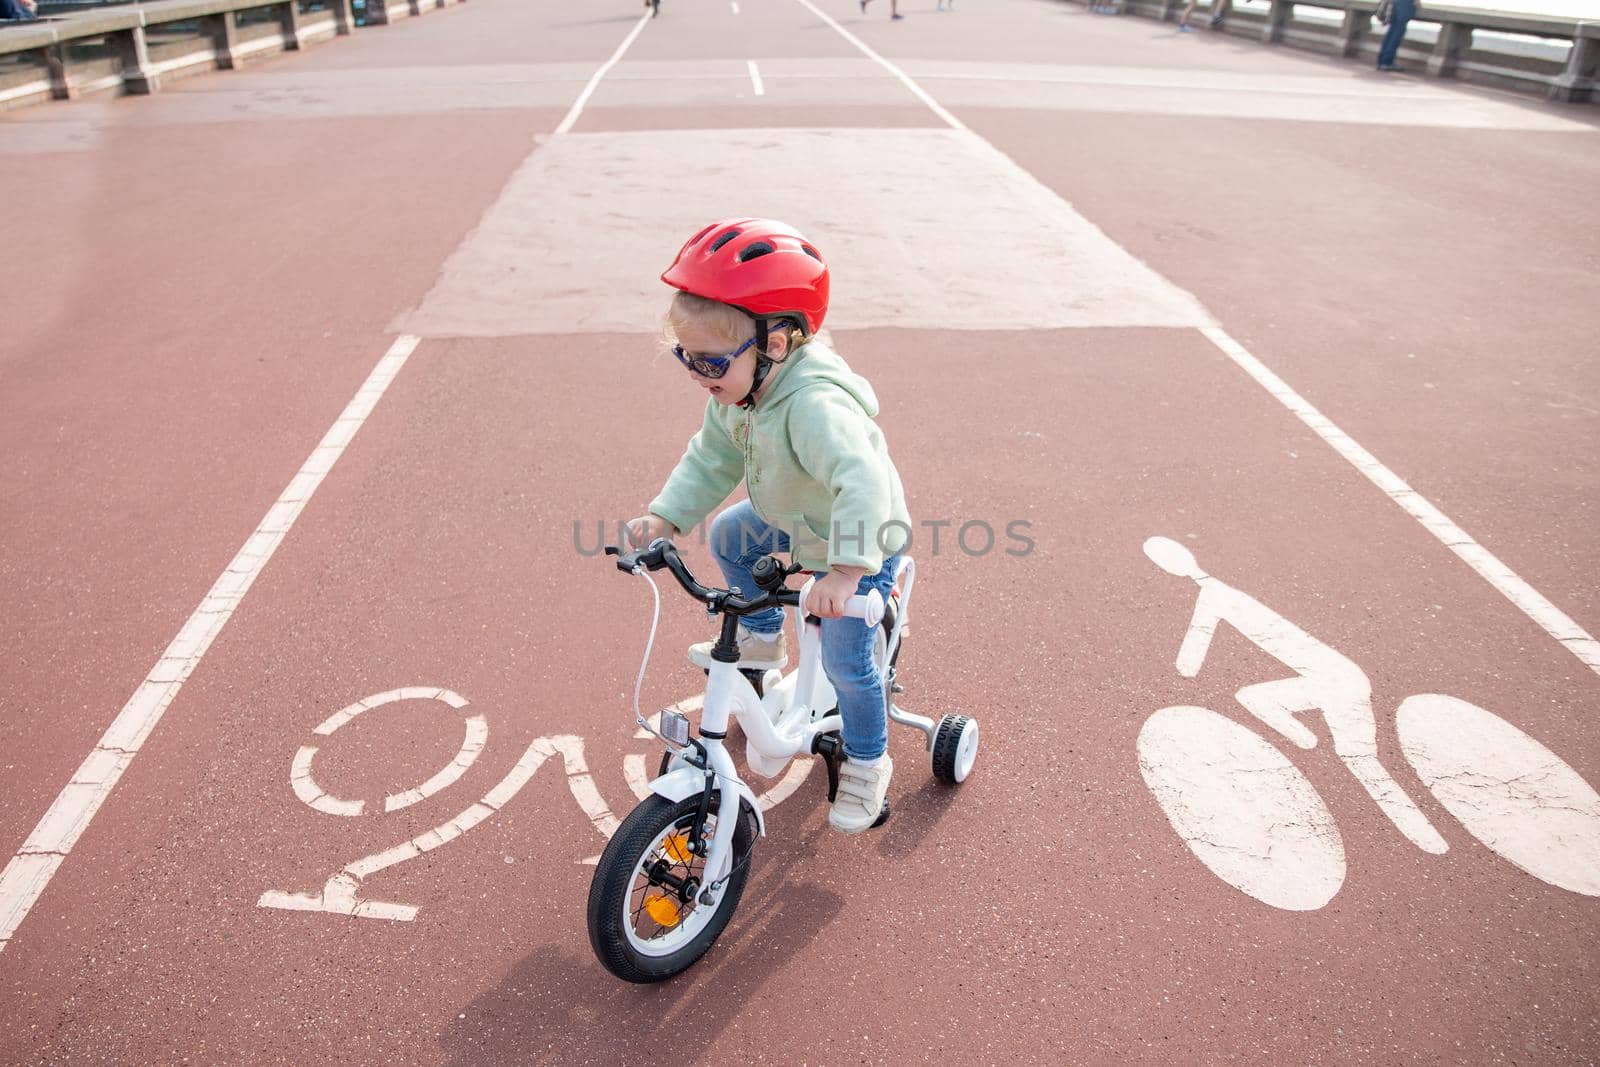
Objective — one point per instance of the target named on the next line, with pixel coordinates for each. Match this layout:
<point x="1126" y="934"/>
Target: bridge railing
<point x="132" y="48"/>
<point x="1562" y="60"/>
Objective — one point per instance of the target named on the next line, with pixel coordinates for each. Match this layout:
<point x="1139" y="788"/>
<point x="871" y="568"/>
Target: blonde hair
<point x="730" y="325"/>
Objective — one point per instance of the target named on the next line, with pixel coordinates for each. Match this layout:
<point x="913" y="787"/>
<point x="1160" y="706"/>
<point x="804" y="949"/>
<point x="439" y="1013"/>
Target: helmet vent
<point x="812" y="252"/>
<point x="724" y="239"/>
<point x="754" y="251"/>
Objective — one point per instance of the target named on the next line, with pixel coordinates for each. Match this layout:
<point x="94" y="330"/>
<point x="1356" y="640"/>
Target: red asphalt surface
<point x="193" y="303"/>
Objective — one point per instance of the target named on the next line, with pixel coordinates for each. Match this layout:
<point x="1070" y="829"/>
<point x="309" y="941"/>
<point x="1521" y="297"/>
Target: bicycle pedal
<point x="831" y="749"/>
<point x="883" y="816"/>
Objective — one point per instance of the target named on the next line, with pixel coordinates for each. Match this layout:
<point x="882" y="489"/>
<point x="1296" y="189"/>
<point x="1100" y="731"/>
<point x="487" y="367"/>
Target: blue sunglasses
<point x="709" y="366"/>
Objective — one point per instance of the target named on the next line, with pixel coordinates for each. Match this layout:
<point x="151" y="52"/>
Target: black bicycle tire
<point x="613" y="883"/>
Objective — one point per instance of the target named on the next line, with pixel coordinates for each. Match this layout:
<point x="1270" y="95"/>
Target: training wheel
<point x="955" y="748"/>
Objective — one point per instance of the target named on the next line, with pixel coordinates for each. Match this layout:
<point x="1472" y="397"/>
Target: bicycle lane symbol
<point x="1255" y="820"/>
<point x="342" y="894"/>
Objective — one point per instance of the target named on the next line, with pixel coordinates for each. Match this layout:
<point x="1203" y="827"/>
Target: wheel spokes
<point x="656" y="905"/>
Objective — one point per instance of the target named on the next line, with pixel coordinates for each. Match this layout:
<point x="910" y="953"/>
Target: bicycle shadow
<point x="913" y="816"/>
<point x="555" y="1006"/>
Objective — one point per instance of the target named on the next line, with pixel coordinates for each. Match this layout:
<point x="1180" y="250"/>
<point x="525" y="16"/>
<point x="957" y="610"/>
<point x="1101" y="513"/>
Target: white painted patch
<point x="1508" y="790"/>
<point x="1334" y="97"/>
<point x="1529" y="600"/>
<point x="1242" y="808"/>
<point x="300" y="93"/>
<point x="899" y="240"/>
<point x="1324" y="681"/>
<point x="26" y="876"/>
<point x="755" y="78"/>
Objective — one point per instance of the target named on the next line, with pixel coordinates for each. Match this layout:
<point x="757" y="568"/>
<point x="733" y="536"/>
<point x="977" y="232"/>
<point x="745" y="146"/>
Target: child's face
<point x="731" y="387"/>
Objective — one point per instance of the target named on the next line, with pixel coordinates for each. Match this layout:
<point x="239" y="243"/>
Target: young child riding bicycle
<point x="789" y="419"/>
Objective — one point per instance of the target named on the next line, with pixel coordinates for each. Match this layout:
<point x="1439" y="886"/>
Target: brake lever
<point x="627" y="562"/>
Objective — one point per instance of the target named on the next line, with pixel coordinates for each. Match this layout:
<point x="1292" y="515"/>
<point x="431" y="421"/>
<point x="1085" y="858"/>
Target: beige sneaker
<point x="860" y="799"/>
<point x="754" y="653"/>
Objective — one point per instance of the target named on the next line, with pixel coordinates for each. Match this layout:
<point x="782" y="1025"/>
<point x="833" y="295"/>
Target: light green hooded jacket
<point x="813" y="462"/>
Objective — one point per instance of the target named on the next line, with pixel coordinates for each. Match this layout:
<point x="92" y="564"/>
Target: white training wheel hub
<point x="955" y="748"/>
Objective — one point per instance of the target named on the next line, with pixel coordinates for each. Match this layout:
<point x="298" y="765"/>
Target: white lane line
<point x="755" y="77"/>
<point x="594" y="81"/>
<point x="1529" y="600"/>
<point x="31" y="869"/>
<point x="905" y="79"/>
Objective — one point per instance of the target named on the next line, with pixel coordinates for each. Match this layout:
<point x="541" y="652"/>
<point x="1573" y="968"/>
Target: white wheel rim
<point x="966" y="750"/>
<point x="687" y="929"/>
<point x="1243" y="808"/>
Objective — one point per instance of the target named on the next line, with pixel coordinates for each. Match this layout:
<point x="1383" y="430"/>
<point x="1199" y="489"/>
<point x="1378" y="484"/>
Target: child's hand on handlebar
<point x="646" y="528"/>
<point x="828" y="595"/>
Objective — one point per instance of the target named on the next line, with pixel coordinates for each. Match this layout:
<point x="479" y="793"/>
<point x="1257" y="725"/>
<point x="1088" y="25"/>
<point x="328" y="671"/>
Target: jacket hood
<point x="812" y="364"/>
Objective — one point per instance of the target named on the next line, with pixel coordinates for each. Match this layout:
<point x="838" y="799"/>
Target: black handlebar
<point x="663" y="555"/>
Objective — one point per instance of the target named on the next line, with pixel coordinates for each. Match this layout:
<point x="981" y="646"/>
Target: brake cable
<point x="638" y="684"/>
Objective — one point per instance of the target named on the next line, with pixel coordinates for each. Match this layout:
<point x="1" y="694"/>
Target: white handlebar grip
<point x="869" y="608"/>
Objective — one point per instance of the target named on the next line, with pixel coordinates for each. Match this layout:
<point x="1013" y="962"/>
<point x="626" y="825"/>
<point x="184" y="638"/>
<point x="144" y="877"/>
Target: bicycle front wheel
<point x="646" y="921"/>
<point x="1243" y="809"/>
<point x="1511" y="792"/>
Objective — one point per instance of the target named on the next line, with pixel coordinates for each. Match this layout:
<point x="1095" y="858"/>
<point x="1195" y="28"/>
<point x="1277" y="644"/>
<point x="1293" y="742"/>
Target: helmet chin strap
<point x="763" y="365"/>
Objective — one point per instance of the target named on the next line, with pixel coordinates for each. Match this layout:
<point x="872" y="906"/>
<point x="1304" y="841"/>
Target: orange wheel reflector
<point x="676" y="846"/>
<point x="663" y="909"/>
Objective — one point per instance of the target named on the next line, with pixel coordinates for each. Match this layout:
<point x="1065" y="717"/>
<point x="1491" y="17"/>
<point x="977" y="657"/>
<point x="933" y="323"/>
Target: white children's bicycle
<point x="673" y="873"/>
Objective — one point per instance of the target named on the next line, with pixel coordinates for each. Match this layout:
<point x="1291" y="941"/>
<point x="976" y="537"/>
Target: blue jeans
<point x="1403" y="11"/>
<point x="738" y="539"/>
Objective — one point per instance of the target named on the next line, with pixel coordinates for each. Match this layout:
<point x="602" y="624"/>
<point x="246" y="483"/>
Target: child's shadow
<point x="558" y="1006"/>
<point x="913" y="816"/>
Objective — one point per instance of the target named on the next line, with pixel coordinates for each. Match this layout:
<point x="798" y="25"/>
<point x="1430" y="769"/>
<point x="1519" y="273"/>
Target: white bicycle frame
<point x="778" y="726"/>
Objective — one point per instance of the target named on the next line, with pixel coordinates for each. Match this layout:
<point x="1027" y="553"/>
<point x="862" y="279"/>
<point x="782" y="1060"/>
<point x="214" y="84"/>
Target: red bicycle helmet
<point x="760" y="266"/>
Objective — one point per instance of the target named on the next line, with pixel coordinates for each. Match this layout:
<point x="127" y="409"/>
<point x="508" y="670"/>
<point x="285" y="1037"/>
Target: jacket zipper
<point x="749" y="455"/>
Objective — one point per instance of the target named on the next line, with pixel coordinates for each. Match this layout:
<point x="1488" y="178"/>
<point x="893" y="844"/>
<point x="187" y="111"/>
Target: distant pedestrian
<point x="894" y="8"/>
<point x="19" y="9"/>
<point x="1396" y="13"/>
<point x="1219" y="11"/>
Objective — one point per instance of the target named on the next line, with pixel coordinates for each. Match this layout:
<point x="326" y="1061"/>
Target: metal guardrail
<point x="131" y="48"/>
<point x="1452" y="53"/>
